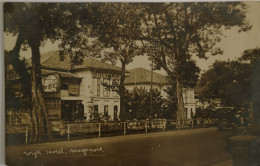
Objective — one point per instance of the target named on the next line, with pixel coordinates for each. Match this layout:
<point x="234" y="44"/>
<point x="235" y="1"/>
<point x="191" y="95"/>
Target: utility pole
<point x="151" y="91"/>
<point x="153" y="51"/>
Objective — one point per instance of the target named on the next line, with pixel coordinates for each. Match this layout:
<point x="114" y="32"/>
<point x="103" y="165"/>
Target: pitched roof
<point x="62" y="74"/>
<point x="51" y="60"/>
<point x="142" y="76"/>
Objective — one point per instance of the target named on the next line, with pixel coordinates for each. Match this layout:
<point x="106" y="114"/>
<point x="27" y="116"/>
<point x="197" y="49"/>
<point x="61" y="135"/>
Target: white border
<point x="2" y="87"/>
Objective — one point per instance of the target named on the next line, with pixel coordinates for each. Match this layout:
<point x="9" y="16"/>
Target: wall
<point x="189" y="102"/>
<point x="89" y="99"/>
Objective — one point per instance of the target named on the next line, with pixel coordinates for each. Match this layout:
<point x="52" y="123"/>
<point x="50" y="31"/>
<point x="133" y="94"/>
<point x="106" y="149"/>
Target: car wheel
<point x="224" y="124"/>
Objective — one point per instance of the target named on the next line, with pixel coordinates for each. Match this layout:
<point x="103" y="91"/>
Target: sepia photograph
<point x="131" y="83"/>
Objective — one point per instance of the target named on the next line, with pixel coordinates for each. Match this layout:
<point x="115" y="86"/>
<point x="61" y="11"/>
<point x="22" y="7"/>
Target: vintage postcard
<point x="129" y="84"/>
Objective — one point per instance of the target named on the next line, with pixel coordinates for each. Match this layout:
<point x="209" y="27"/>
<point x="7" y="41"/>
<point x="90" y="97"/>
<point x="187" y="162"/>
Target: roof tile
<point x="51" y="60"/>
<point x="141" y="76"/>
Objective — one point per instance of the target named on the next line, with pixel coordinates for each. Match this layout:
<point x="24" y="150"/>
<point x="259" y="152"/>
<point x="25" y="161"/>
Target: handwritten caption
<point x="61" y="151"/>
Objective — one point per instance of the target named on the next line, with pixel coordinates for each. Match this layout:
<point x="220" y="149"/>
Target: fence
<point x="72" y="131"/>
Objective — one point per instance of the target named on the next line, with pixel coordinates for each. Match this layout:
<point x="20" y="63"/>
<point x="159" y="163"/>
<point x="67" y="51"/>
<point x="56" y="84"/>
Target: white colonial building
<point x="83" y="97"/>
<point x="141" y="78"/>
<point x="189" y="102"/>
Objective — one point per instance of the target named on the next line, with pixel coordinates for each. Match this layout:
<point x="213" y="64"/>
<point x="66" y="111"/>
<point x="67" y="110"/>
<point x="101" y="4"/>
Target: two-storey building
<point x="84" y="89"/>
<point x="141" y="78"/>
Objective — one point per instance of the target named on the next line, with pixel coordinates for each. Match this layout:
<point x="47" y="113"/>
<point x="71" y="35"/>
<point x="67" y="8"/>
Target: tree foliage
<point x="180" y="29"/>
<point x="184" y="30"/>
<point x="33" y="24"/>
<point x="250" y="55"/>
<point x="138" y="104"/>
<point x="204" y="113"/>
<point x="171" y="100"/>
<point x="117" y="26"/>
<point x="229" y="81"/>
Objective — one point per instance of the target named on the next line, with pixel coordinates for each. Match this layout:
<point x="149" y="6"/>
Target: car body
<point x="230" y="117"/>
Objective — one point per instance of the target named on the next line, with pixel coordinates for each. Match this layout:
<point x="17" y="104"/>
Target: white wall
<point x="189" y="101"/>
<point x="89" y="99"/>
<point x="86" y="84"/>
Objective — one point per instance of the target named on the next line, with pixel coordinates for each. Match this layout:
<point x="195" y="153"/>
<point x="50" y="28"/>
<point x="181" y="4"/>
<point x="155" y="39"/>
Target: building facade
<point x="86" y="92"/>
<point x="71" y="93"/>
<point x="141" y="78"/>
<point x="99" y="102"/>
<point x="189" y="102"/>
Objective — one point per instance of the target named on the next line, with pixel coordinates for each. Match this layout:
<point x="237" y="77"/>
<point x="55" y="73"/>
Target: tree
<point x="33" y="24"/>
<point x="117" y="26"/>
<point x="139" y="104"/>
<point x="187" y="29"/>
<point x="10" y="96"/>
<point x="172" y="100"/>
<point x="125" y="54"/>
<point x="252" y="56"/>
<point x="229" y="81"/>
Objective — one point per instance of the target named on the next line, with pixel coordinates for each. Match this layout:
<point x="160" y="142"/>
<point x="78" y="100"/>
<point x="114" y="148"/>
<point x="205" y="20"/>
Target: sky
<point x="233" y="44"/>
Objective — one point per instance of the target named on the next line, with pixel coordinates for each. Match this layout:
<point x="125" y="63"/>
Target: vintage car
<point x="230" y="117"/>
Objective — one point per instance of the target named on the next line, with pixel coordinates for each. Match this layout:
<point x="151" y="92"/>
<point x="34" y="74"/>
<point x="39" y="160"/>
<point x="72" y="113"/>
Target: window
<point x="106" y="110"/>
<point x="73" y="89"/>
<point x="191" y="94"/>
<point x="115" y="82"/>
<point x="106" y="91"/>
<point x="115" y="94"/>
<point x="64" y="86"/>
<point x="97" y="86"/>
<point x="115" y="112"/>
<point x="191" y="112"/>
<point x="96" y="116"/>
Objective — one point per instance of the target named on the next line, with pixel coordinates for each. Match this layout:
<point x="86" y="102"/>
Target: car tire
<point x="220" y="128"/>
<point x="224" y="124"/>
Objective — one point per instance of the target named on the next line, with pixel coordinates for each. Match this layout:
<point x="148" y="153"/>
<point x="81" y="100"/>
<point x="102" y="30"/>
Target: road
<point x="200" y="147"/>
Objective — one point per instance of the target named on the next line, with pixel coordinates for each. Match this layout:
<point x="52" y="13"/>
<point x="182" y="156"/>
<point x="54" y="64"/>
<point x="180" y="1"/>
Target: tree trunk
<point x="39" y="111"/>
<point x="122" y="93"/>
<point x="255" y="86"/>
<point x="180" y="113"/>
<point x="20" y="68"/>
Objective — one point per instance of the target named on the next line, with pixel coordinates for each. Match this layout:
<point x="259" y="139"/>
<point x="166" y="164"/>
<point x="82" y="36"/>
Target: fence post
<point x="146" y="126"/>
<point x="164" y="124"/>
<point x="99" y="130"/>
<point x="68" y="132"/>
<point x="124" y="128"/>
<point x="60" y="129"/>
<point x="26" y="135"/>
